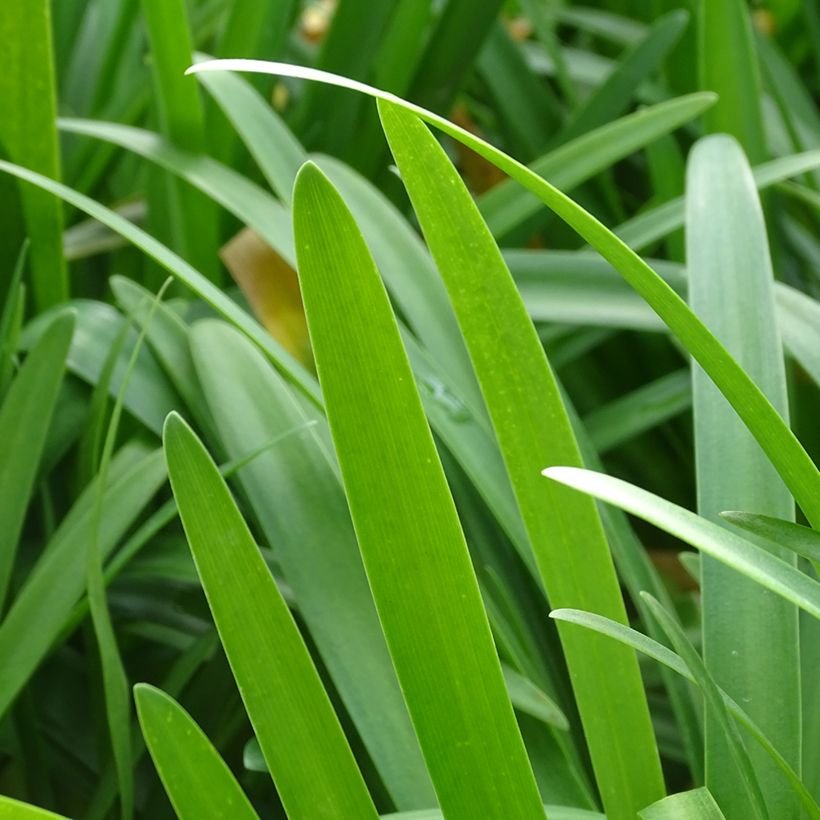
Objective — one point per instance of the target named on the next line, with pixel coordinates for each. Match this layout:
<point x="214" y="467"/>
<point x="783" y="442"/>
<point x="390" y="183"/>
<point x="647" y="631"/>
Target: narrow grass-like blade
<point x="612" y="97"/>
<point x="197" y="781"/>
<point x="697" y="804"/>
<point x="717" y="713"/>
<point x="306" y="751"/>
<point x="57" y="581"/>
<point x="649" y="226"/>
<point x="777" y="440"/>
<point x="167" y="336"/>
<point x="193" y="218"/>
<point x="409" y="535"/>
<point x="506" y="205"/>
<point x="533" y="430"/>
<point x="25" y="416"/>
<point x="28" y="136"/>
<point x="752" y="561"/>
<point x="181" y="270"/>
<point x="730" y="281"/>
<point x="784" y="534"/>
<point x="728" y="66"/>
<point x="665" y="656"/>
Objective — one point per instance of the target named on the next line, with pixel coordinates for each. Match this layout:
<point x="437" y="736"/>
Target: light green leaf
<point x="533" y="430"/>
<point x="196" y="778"/>
<point x="307" y="754"/>
<point x="784" y="534"/>
<point x="409" y="535"/>
<point x="697" y="804"/>
<point x="57" y="581"/>
<point x="179" y="269"/>
<point x="28" y="136"/>
<point x="730" y="281"/>
<point x="752" y="561"/>
<point x="25" y="416"/>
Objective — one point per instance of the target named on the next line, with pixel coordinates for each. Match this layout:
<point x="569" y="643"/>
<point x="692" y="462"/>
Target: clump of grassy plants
<point x="479" y="284"/>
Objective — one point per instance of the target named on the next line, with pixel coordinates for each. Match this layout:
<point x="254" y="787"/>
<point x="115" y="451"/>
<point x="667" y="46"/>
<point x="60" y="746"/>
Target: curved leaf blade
<point x="306" y="751"/>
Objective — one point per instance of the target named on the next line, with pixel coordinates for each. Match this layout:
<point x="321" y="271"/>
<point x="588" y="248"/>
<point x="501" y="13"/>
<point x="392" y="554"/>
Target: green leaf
<point x="196" y="778"/>
<point x="149" y="395"/>
<point x="553" y="812"/>
<point x="297" y="498"/>
<point x="663" y="655"/>
<point x="716" y="713"/>
<point x="612" y="97"/>
<point x="784" y="534"/>
<point x="778" y="441"/>
<point x="180" y="270"/>
<point x="306" y="752"/>
<point x="752" y="561"/>
<point x="409" y="535"/>
<point x="730" y="281"/>
<point x="25" y="417"/>
<point x="15" y="810"/>
<point x="57" y="581"/>
<point x="646" y="228"/>
<point x="728" y="66"/>
<point x="193" y="218"/>
<point x="506" y="205"/>
<point x="28" y="136"/>
<point x="697" y="804"/>
<point x="521" y="395"/>
<point x="528" y="698"/>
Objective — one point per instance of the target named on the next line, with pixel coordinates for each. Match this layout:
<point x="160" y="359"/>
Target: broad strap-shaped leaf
<point x="306" y="751"/>
<point x="731" y="288"/>
<point x="778" y="441"/>
<point x="697" y="804"/>
<point x="197" y="780"/>
<point x="25" y="416"/>
<point x="533" y="430"/>
<point x="752" y="561"/>
<point x="409" y="534"/>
